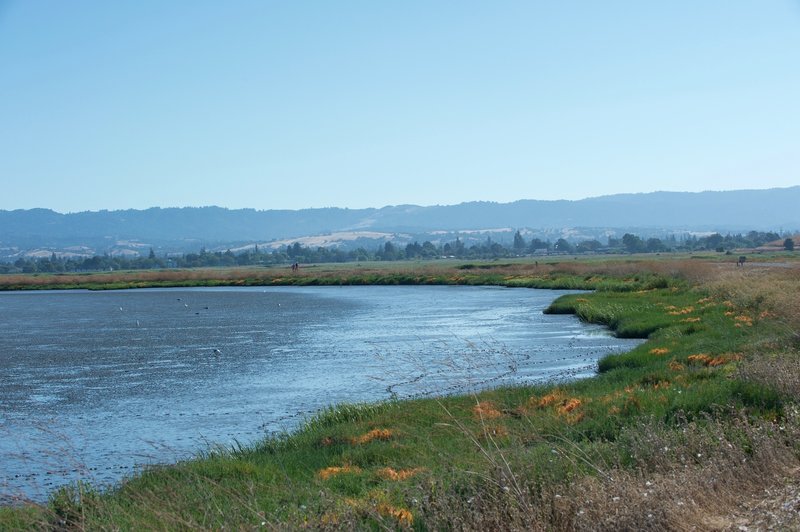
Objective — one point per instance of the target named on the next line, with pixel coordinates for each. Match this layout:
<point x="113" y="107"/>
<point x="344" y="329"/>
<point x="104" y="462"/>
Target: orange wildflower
<point x="724" y="359"/>
<point x="551" y="398"/>
<point x="329" y="472"/>
<point x="700" y="358"/>
<point x="569" y="406"/>
<point x="486" y="410"/>
<point x="659" y="351"/>
<point x="403" y="516"/>
<point x="375" y="434"/>
<point x="388" y="473"/>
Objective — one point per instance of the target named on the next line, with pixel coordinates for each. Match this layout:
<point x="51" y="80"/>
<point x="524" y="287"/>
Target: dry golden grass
<point x="392" y="474"/>
<point x="699" y="478"/>
<point x="762" y="293"/>
<point x="692" y="270"/>
<point x="486" y="410"/>
<point x="375" y="434"/>
<point x="333" y="471"/>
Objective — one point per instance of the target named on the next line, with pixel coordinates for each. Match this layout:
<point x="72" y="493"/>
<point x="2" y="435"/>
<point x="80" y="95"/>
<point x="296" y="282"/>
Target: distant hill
<point x="191" y="227"/>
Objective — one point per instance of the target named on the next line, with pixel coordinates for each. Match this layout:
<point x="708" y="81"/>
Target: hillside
<point x="189" y="228"/>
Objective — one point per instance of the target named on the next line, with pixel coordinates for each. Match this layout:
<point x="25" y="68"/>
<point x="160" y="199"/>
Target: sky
<point x="273" y="104"/>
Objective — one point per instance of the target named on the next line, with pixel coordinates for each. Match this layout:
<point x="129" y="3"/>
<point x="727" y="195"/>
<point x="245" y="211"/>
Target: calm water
<point x="96" y="384"/>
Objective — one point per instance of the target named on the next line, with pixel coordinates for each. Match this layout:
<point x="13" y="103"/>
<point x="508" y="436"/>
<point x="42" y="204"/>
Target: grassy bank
<point x="670" y="435"/>
<point x="622" y="274"/>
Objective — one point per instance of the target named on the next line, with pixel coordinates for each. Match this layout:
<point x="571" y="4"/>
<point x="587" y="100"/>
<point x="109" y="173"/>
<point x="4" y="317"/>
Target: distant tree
<point x="537" y="243"/>
<point x="295" y="250"/>
<point x="519" y="242"/>
<point x="788" y="244"/>
<point x="228" y="258"/>
<point x="413" y="250"/>
<point x="632" y="243"/>
<point x="361" y="254"/>
<point x="389" y="251"/>
<point x="152" y="254"/>
<point x="588" y="245"/>
<point x="458" y="248"/>
<point x="429" y="250"/>
<point x="562" y="246"/>
<point x="497" y="250"/>
<point x="713" y="241"/>
<point x="654" y="245"/>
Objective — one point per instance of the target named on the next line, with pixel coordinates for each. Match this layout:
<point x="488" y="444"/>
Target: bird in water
<point x="217" y="352"/>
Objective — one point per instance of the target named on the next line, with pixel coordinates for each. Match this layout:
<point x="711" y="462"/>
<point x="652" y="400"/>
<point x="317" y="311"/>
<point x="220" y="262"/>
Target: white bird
<point x="217" y="352"/>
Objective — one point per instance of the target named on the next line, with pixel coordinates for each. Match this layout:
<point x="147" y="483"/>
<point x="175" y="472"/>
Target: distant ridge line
<point x="773" y="209"/>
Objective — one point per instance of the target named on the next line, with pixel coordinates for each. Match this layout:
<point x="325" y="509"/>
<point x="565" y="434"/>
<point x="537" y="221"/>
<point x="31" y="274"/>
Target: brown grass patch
<point x="329" y="472"/>
<point x="486" y="410"/>
<point x="570" y="405"/>
<point x="550" y="399"/>
<point x="403" y="517"/>
<point x="681" y="311"/>
<point x="374" y="434"/>
<point x="387" y="473"/>
<point x="700" y="358"/>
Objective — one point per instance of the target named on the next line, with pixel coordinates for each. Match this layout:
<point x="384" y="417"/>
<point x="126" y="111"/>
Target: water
<point x="96" y="384"/>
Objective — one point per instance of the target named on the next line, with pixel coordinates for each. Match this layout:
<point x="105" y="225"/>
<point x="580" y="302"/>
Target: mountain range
<point x="40" y="231"/>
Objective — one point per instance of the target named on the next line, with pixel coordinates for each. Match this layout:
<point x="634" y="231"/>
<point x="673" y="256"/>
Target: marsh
<point x="96" y="384"/>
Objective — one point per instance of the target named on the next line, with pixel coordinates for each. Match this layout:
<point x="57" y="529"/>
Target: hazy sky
<point x="294" y="104"/>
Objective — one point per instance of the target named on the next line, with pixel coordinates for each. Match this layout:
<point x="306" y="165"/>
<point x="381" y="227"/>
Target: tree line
<point x="389" y="251"/>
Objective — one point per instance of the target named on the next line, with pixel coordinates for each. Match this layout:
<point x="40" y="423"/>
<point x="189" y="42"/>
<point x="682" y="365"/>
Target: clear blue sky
<point x="294" y="104"/>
